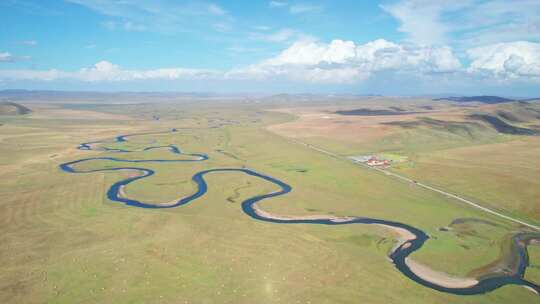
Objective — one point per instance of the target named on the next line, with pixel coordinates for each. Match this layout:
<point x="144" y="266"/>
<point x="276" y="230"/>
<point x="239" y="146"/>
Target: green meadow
<point x="63" y="241"/>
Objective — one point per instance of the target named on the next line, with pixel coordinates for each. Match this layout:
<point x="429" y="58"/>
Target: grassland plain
<point x="502" y="175"/>
<point x="443" y="144"/>
<point x="64" y="241"/>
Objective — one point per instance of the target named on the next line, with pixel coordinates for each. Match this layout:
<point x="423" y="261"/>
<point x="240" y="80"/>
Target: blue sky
<point x="397" y="47"/>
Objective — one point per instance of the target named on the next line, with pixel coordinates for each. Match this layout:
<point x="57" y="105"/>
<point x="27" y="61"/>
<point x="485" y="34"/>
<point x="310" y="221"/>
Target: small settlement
<point x="371" y="160"/>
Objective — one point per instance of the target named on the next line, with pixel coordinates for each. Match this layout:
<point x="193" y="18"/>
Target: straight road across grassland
<point x="406" y="179"/>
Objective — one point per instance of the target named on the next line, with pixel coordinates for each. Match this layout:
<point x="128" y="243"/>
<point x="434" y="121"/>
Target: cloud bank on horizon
<point x="397" y="47"/>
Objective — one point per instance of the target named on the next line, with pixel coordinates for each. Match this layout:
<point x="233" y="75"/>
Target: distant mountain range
<point x="44" y="96"/>
<point x="47" y="96"/>
<point x="482" y="99"/>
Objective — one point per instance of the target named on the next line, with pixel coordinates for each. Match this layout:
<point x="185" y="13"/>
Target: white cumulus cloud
<point x="338" y="61"/>
<point x="506" y="60"/>
<point x="312" y="53"/>
<point x="106" y="71"/>
<point x="345" y="61"/>
<point x="334" y="62"/>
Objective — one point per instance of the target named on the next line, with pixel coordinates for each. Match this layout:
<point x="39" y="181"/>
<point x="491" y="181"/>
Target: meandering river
<point x="412" y="239"/>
